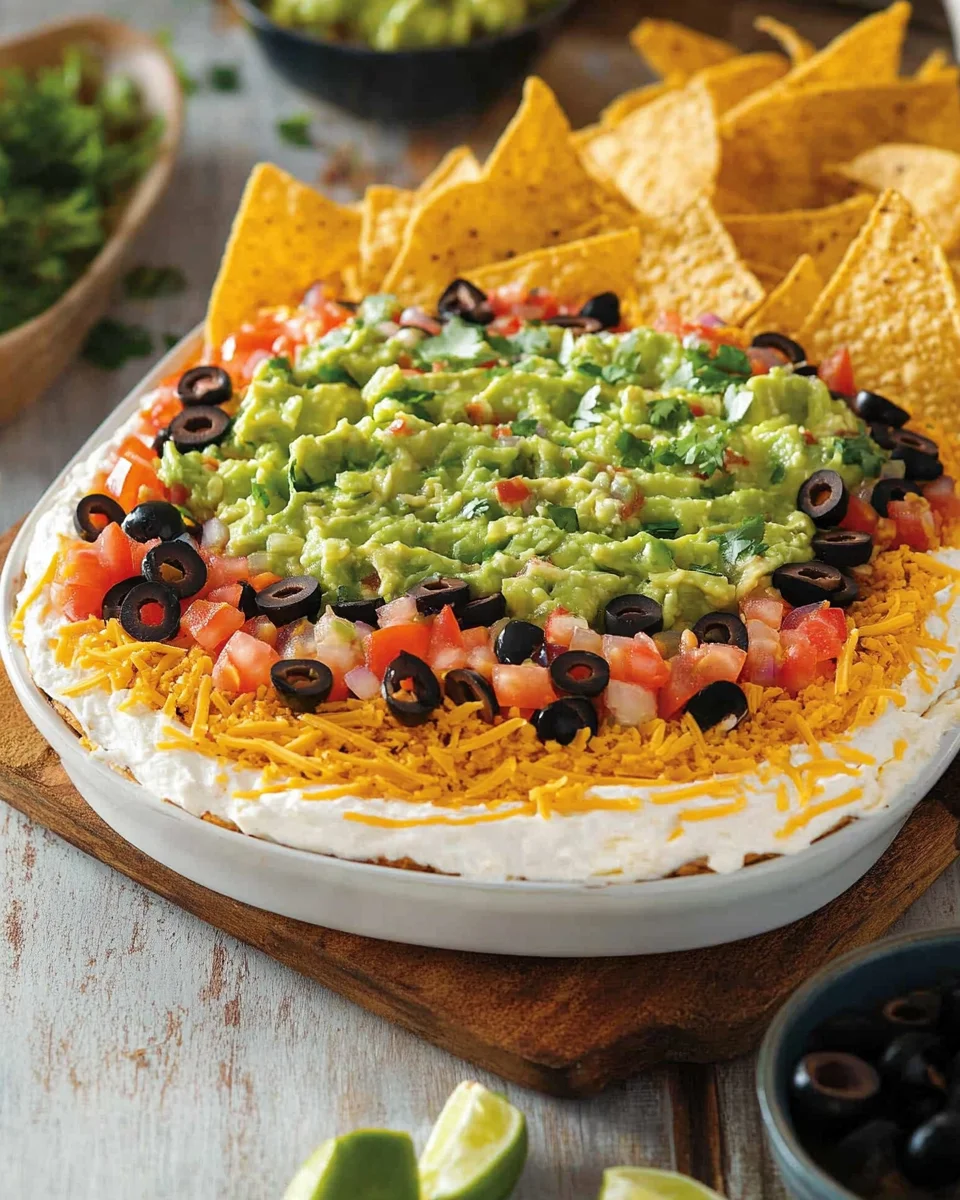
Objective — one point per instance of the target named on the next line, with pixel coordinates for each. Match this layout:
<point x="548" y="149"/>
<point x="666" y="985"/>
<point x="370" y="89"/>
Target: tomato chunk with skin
<point x="693" y="670"/>
<point x="942" y="497"/>
<point x="211" y="624"/>
<point x="798" y="667"/>
<point x="836" y="371"/>
<point x="244" y="664"/>
<point x="635" y="660"/>
<point x="115" y="555"/>
<point x="915" y="524"/>
<point x="527" y="686"/>
<point x="382" y="646"/>
<point x="512" y="491"/>
<point x="131" y="481"/>
<point x="861" y="517"/>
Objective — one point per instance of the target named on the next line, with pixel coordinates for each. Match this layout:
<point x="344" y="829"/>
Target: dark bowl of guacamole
<point x="414" y="62"/>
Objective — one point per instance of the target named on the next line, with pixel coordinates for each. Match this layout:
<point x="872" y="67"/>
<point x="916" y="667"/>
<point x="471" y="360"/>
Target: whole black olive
<point x="139" y="615"/>
<point x="517" y="641"/>
<point x="154" y="519"/>
<point x="204" y="385"/>
<point x="604" y="308"/>
<point x="290" y="599"/>
<point x="466" y="687"/>
<point x="831" y="1088"/>
<point x="177" y="565"/>
<point x="579" y="673"/>
<point x="809" y="582"/>
<point x="842" y="547"/>
<point x="94" y="513"/>
<point x="116" y="595"/>
<point x="577" y="322"/>
<point x="915" y="1010"/>
<point x="627" y="615"/>
<point x="931" y="1157"/>
<point x="303" y="684"/>
<point x="865" y="1034"/>
<point x="198" y="427"/>
<point x="411" y="689"/>
<point x="866" y="1158"/>
<point x="434" y="594"/>
<point x="359" y="610"/>
<point x="722" y="628"/>
<point x="885" y="490"/>
<point x="870" y="406"/>
<point x="824" y="498"/>
<point x="562" y="720"/>
<point x="720" y="703"/>
<point x="464" y="299"/>
<point x="919" y="455"/>
<point x="791" y="350"/>
<point x="483" y="611"/>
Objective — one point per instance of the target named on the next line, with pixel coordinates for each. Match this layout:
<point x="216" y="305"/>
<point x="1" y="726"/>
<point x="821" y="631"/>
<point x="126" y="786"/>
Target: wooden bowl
<point x="34" y="353"/>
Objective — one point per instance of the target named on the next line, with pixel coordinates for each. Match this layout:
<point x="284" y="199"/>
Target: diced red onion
<point x="362" y="682"/>
<point x="388" y="329"/>
<point x="629" y="703"/>
<point x="417" y="318"/>
<point x="710" y="320"/>
<point x="397" y="612"/>
<point x="797" y="616"/>
<point x="215" y="535"/>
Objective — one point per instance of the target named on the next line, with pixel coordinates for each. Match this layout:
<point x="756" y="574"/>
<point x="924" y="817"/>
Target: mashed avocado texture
<point x="560" y="469"/>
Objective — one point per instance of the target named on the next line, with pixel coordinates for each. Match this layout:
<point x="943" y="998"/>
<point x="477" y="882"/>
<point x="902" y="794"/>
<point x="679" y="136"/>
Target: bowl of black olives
<point x="859" y="1075"/>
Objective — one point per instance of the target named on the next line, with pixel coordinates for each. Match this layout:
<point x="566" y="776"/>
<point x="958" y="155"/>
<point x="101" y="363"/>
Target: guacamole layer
<point x="560" y="469"/>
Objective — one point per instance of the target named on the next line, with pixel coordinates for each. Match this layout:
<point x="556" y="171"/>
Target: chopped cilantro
<point x="777" y="474"/>
<point x="667" y="413"/>
<point x="705" y="454"/>
<point x="299" y="482"/>
<point x="480" y="507"/>
<point x="667" y="529"/>
<point x="861" y="451"/>
<point x="224" y="77"/>
<point x="260" y="494"/>
<point x="331" y="373"/>
<point x="706" y="570"/>
<point x="524" y="427"/>
<point x="460" y="342"/>
<point x="281" y="364"/>
<point x="532" y="340"/>
<point x="634" y="451"/>
<point x="723" y="485"/>
<point x="295" y="130"/>
<point x="736" y="404"/>
<point x="746" y="541"/>
<point x="374" y="309"/>
<point x="590" y="368"/>
<point x="714" y="373"/>
<point x="586" y="414"/>
<point x="110" y="343"/>
<point x="150" y="283"/>
<point x="564" y="518"/>
<point x="413" y="399"/>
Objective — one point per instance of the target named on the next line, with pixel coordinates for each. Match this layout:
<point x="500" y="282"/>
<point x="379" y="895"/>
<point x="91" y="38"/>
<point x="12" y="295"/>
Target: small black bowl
<point x="403" y="87"/>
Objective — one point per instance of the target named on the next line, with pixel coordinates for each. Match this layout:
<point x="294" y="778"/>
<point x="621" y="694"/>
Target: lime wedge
<point x="371" y="1164"/>
<point x="646" y="1183"/>
<point x="477" y="1148"/>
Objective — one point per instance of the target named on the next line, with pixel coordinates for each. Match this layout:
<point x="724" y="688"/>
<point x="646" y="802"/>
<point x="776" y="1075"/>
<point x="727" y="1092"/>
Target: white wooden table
<point x="142" y="1054"/>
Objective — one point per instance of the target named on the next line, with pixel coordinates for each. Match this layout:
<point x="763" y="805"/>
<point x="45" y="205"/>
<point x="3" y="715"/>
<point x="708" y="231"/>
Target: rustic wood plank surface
<point x="145" y="1055"/>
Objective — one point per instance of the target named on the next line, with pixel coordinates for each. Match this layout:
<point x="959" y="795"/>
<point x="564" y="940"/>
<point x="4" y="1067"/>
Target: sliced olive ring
<point x="885" y="490"/>
<point x="831" y="1087"/>
<point x="931" y="1157"/>
<point x="792" y="351"/>
<point x="872" y="407"/>
<point x="848" y="593"/>
<point x="919" y="454"/>
<point x="411" y="689"/>
<point x="577" y="322"/>
<point x="720" y="703"/>
<point x="434" y="594"/>
<point x="290" y="599"/>
<point x="882" y="434"/>
<point x="467" y="687"/>
<point x="116" y="595"/>
<point x="562" y="720"/>
<point x="842" y="547"/>
<point x="483" y="611"/>
<point x="809" y="583"/>
<point x="178" y="566"/>
<point x="580" y="673"/>
<point x="517" y="641"/>
<point x="604" y="308"/>
<point x="824" y="498"/>
<point x="204" y="385"/>
<point x="198" y="427"/>
<point x="627" y="615"/>
<point x="96" y="505"/>
<point x="806" y="368"/>
<point x="248" y="600"/>
<point x="723" y="628"/>
<point x="303" y="684"/>
<point x="160" y="441"/>
<point x="154" y="519"/>
<point x="359" y="610"/>
<point x="915" y="1010"/>
<point x="464" y="299"/>
<point x="144" y="596"/>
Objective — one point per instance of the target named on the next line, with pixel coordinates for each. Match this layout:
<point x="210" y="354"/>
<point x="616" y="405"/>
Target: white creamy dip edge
<point x="620" y="846"/>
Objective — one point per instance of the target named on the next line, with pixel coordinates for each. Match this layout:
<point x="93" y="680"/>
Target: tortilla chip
<point x="534" y="191"/>
<point x="386" y="211"/>
<point x="575" y="271"/>
<point x="793" y="44"/>
<point x="456" y="166"/>
<point x="787" y="306"/>
<point x="893" y="303"/>
<point x="731" y="82"/>
<point x="934" y="65"/>
<point x="669" y="48"/>
<point x="779" y="239"/>
<point x="929" y="179"/>
<point x="630" y="101"/>
<point x="768" y="275"/>
<point x="774" y="147"/>
<point x="665" y="154"/>
<point x="285" y="236"/>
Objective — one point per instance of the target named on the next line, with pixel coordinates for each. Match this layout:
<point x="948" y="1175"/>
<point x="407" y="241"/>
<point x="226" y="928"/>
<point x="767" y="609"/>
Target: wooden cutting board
<point x="569" y="1027"/>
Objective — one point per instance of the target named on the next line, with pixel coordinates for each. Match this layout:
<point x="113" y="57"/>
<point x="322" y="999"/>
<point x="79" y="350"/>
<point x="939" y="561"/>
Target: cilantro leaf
<point x="590" y="368"/>
<point x="777" y="474"/>
<point x="667" y="529"/>
<point x="714" y="373"/>
<point x="110" y="343"/>
<point x="299" y="482"/>
<point x="634" y="451"/>
<point x="736" y="404"/>
<point x="705" y="454"/>
<point x="524" y="427"/>
<point x="280" y="363"/>
<point x="564" y="518"/>
<point x="532" y="340"/>
<point x="374" y="309"/>
<point x="479" y="506"/>
<point x="150" y="283"/>
<point x="331" y="373"/>
<point x="667" y="413"/>
<point x="746" y="541"/>
<point x="295" y="130"/>
<point x="260" y="494"/>
<point x="460" y="342"/>
<point x="861" y="451"/>
<point x="224" y="77"/>
<point x="586" y="414"/>
<point x="723" y="485"/>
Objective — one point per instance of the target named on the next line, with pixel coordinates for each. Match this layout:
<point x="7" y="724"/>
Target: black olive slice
<point x="92" y="506"/>
<point x="303" y="684"/>
<point x="847" y="594"/>
<point x="842" y="547"/>
<point x="873" y="407"/>
<point x="464" y="299"/>
<point x="483" y="611"/>
<point x="919" y="454"/>
<point x="931" y="1157"/>
<point x="359" y="610"/>
<point x="160" y="441"/>
<point x="198" y="427"/>
<point x="137" y="612"/>
<point x="580" y="673"/>
<point x="117" y="594"/>
<point x="866" y="1159"/>
<point x="517" y="641"/>
<point x="248" y="600"/>
<point x="912" y="1068"/>
<point x="290" y="599"/>
<point x="625" y="616"/>
<point x="792" y="350"/>
<point x="434" y="594"/>
<point x="853" y="1031"/>
<point x="177" y="565"/>
<point x="723" y="627"/>
<point x="466" y="687"/>
<point x="824" y="498"/>
<point x="154" y="519"/>
<point x="411" y="689"/>
<point x="604" y="308"/>
<point x="191" y="527"/>
<point x="808" y="583"/>
<point x="577" y="322"/>
<point x="806" y="368"/>
<point x="562" y="720"/>
<point x="204" y="385"/>
<point x="882" y="434"/>
<point x="915" y="1010"/>
<point x="720" y="703"/>
<point x="829" y="1087"/>
<point x="885" y="490"/>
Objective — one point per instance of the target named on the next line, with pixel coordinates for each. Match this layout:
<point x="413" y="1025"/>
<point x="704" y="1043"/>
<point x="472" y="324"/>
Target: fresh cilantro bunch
<point x="72" y="144"/>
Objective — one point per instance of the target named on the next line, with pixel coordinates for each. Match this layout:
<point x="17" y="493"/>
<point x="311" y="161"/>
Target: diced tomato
<point x="78" y="602"/>
<point x="915" y="523"/>
<point x="263" y="629"/>
<point x="635" y="660"/>
<point x="382" y="646"/>
<point x="447" y="649"/>
<point x="762" y="607"/>
<point x="763" y="359"/>
<point x="526" y="686"/>
<point x="162" y="410"/>
<point x="942" y="497"/>
<point x="798" y="665"/>
<point x="263" y="579"/>
<point x="114" y="552"/>
<point x="131" y="481"/>
<point x="211" y="624"/>
<point x="341" y="658"/>
<point x="479" y="412"/>
<point x="512" y="491"/>
<point x="244" y="664"/>
<point x="825" y="628"/>
<point x="561" y="626"/>
<point x="861" y="517"/>
<point x="836" y="371"/>
<point x="223" y="570"/>
<point x="472" y="638"/>
<point x="227" y="593"/>
<point x="137" y="449"/>
<point x="586" y="639"/>
<point x="692" y="670"/>
<point x="482" y="660"/>
<point x="763" y="653"/>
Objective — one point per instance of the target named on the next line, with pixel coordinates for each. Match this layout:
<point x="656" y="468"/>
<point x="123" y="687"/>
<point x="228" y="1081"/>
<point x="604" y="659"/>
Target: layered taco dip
<point x="536" y="544"/>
